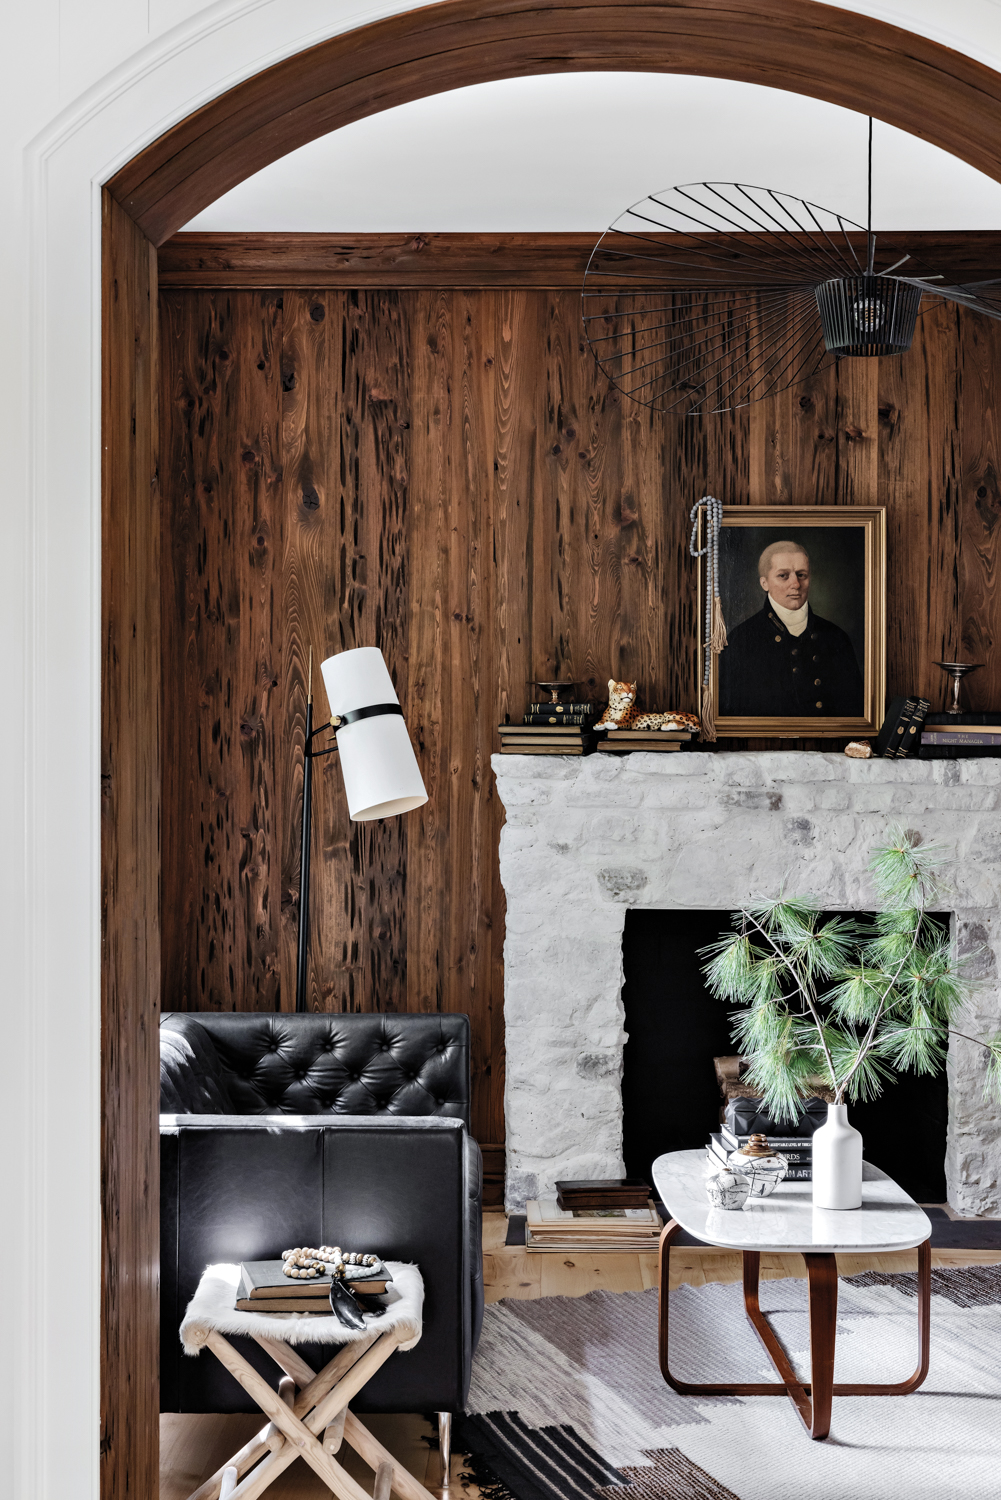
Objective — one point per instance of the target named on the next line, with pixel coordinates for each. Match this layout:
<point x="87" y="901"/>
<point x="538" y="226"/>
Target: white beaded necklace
<point x="304" y="1264"/>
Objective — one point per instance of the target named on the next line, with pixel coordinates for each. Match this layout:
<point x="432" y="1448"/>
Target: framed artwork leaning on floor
<point x="803" y="593"/>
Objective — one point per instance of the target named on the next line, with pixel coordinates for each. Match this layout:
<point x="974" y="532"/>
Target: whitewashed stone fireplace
<point x="586" y="839"/>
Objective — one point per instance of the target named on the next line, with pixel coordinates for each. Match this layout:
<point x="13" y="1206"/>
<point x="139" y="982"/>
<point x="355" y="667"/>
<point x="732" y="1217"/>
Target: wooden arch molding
<point x="837" y="55"/>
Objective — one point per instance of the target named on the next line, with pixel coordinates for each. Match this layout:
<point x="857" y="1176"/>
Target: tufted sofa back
<point x="249" y="1063"/>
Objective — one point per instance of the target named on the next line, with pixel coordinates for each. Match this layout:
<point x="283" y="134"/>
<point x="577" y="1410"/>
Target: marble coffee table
<point x="788" y="1222"/>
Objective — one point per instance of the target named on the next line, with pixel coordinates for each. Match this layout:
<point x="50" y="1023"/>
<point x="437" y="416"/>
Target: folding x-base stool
<point x="309" y="1419"/>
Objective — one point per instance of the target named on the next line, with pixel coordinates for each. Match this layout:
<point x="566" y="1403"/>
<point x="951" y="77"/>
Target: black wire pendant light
<point x="711" y="295"/>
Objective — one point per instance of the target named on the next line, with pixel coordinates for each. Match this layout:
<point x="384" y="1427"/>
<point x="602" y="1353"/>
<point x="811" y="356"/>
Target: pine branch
<point x="807" y="997"/>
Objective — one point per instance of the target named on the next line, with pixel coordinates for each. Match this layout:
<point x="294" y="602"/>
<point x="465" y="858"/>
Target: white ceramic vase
<point x="837" y="1162"/>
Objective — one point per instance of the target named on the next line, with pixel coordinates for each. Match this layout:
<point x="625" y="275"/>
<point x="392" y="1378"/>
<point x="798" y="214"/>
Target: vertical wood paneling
<point x="472" y="683"/>
<point x="462" y="488"/>
<point x="345" y="393"/>
<point x="576" y="524"/>
<point x="220" y="393"/>
<point x="918" y="481"/>
<point x="979" y="421"/>
<point x="430" y="708"/>
<point x="130" y="864"/>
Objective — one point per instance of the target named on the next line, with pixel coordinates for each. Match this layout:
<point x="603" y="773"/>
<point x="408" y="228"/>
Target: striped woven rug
<point x="567" y="1401"/>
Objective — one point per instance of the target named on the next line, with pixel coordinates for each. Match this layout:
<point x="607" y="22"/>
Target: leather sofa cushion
<point x="191" y="1075"/>
<point x="321" y="1064"/>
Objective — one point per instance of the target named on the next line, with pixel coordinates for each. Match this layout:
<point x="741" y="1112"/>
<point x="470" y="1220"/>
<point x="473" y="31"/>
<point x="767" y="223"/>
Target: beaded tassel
<point x="714" y="626"/>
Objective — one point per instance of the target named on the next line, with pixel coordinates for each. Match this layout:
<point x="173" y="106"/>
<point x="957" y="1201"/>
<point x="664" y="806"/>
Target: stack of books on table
<point x="620" y="741"/>
<point x="797" y="1150"/>
<point x="961" y="736"/>
<point x="264" y="1287"/>
<point x="598" y="1231"/>
<point x="552" y="729"/>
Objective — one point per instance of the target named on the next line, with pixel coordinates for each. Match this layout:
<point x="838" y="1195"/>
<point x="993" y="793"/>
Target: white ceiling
<point x="571" y="151"/>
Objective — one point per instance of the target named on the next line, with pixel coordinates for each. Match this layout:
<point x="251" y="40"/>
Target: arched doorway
<point x="832" y="54"/>
<point x="806" y="48"/>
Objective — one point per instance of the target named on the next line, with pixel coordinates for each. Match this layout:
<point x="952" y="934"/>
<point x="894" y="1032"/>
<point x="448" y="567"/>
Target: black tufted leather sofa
<point x="280" y="1129"/>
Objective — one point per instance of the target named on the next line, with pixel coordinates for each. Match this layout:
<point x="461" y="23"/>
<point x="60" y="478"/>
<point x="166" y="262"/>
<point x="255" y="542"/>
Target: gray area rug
<point x="567" y="1401"/>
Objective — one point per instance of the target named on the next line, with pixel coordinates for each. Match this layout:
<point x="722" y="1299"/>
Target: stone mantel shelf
<point x="587" y="837"/>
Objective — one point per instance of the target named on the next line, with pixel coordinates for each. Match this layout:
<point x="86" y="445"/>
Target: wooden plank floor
<point x="193" y="1447"/>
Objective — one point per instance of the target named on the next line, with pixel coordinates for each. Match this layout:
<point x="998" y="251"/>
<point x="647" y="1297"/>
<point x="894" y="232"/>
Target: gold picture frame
<point x="859" y="562"/>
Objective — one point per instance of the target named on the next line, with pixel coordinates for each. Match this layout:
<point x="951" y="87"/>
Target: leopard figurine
<point x="622" y="712"/>
<point x="621" y="698"/>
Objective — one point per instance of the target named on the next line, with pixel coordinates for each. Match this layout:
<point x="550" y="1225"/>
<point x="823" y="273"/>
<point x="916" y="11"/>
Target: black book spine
<point x="959" y="752"/>
<point x="555" y="721"/>
<point x="891" y="727"/>
<point x="899" y="730"/>
<point x="798" y="1149"/>
<point x="910" y="740"/>
<point x="564" y="708"/>
<point x="982" y="716"/>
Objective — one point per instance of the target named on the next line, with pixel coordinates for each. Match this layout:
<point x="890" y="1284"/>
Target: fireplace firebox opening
<point x="670" y="1095"/>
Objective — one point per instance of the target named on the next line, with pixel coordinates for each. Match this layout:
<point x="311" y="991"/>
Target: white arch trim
<point x="51" y="768"/>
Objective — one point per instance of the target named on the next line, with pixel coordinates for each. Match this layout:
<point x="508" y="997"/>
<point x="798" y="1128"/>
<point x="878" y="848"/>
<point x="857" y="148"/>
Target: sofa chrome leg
<point x="445" y="1446"/>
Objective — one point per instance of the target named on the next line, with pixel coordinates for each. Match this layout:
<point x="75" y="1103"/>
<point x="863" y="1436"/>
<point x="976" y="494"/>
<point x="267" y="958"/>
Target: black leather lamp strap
<point x="373" y="712"/>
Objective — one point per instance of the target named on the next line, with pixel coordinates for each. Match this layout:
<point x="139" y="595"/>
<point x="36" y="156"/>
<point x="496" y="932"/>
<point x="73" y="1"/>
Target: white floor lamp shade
<point x="381" y="774"/>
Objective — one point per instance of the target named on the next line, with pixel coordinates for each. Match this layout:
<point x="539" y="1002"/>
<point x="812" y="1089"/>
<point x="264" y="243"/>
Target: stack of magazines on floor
<point x="746" y="1117"/>
<point x="552" y="729"/>
<point x="596" y="1217"/>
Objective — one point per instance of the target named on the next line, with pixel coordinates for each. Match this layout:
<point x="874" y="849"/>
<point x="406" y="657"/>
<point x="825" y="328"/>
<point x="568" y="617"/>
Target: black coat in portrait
<point x="766" y="672"/>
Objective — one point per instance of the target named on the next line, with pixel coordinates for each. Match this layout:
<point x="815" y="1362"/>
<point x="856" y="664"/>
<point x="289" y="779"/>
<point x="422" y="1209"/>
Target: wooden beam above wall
<point x="398" y="261"/>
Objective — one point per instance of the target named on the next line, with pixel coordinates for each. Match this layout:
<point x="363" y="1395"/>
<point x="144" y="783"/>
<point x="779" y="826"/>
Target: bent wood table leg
<point x="822" y="1276"/>
<point x="684" y="1387"/>
<point x="812" y="1399"/>
<point x="905" y="1387"/>
<point x="794" y="1388"/>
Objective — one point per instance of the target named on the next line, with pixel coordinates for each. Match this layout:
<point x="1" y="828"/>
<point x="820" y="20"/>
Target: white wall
<point x="572" y="151"/>
<point x="86" y="84"/>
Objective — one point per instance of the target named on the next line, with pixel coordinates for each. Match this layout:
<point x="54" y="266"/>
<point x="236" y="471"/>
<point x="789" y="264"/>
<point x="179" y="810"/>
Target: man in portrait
<point x="786" y="661"/>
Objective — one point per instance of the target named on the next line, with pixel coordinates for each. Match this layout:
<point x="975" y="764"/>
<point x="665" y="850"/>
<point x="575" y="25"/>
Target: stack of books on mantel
<point x="620" y="741"/>
<point x="552" y="729"/>
<point x="797" y="1150"/>
<point x="900" y="734"/>
<point x="600" y="1218"/>
<point x="961" y="736"/>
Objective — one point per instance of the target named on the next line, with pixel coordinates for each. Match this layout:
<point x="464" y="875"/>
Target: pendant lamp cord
<point x="714" y="628"/>
<point x="869" y="239"/>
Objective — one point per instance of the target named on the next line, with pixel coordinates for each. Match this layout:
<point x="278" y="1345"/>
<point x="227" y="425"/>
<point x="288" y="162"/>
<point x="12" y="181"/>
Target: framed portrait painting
<point x="803" y="592"/>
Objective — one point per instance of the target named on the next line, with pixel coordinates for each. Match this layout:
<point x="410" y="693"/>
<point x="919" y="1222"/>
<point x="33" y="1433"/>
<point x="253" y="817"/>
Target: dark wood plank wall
<point x="130" y="864"/>
<point x="441" y="472"/>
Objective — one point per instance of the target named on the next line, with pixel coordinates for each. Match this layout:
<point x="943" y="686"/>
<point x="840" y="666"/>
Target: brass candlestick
<point x="957" y="670"/>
